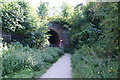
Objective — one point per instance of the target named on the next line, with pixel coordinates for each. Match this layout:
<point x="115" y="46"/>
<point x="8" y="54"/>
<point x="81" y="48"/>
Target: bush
<point x="95" y="34"/>
<point x="17" y="57"/>
<point x="87" y="63"/>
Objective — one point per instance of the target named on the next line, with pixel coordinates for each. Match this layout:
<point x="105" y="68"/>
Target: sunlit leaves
<point x="67" y="10"/>
<point x="43" y="10"/>
<point x="17" y="17"/>
<point x="97" y="54"/>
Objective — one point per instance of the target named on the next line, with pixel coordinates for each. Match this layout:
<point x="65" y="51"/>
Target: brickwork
<point x="62" y="33"/>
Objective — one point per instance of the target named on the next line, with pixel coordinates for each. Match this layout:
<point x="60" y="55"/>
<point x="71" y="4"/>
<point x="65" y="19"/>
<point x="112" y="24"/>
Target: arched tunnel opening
<point x="54" y="38"/>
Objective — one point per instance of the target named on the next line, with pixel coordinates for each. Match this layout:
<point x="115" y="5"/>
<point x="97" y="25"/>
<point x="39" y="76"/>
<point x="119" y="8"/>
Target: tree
<point x="100" y="21"/>
<point x="17" y="17"/>
<point x="43" y="10"/>
<point x="67" y="10"/>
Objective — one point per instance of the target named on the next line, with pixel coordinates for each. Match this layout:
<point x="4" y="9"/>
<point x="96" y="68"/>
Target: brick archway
<point x="59" y="33"/>
<point x="54" y="38"/>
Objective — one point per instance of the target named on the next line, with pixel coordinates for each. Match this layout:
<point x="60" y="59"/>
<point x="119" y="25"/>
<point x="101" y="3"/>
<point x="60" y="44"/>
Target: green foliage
<point x="84" y="36"/>
<point x="67" y="10"/>
<point x="37" y="38"/>
<point x="96" y="22"/>
<point x="110" y="27"/>
<point x="17" y="17"/>
<point x="27" y="73"/>
<point x="17" y="57"/>
<point x="61" y="21"/>
<point x="89" y="64"/>
<point x="95" y="36"/>
<point x="64" y="18"/>
<point x="43" y="10"/>
<point x="0" y="65"/>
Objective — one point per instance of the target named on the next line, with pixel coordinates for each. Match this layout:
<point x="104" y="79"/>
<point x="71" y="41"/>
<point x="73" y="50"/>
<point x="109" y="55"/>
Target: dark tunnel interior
<point x="54" y="38"/>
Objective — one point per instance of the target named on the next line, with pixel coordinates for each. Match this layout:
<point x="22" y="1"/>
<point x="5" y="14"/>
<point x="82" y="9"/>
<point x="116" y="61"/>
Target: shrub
<point x="89" y="64"/>
<point x="17" y="57"/>
<point x="95" y="34"/>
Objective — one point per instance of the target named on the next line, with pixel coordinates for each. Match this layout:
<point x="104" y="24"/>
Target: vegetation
<point x="19" y="17"/>
<point x="17" y="59"/>
<point x="87" y="63"/>
<point x="43" y="10"/>
<point x="95" y="36"/>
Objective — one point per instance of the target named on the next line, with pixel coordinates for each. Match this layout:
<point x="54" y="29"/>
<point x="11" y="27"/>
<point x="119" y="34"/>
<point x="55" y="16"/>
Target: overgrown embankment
<point x="95" y="38"/>
<point x="87" y="63"/>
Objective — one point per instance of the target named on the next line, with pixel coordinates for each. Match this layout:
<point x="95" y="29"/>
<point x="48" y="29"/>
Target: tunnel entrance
<point x="54" y="38"/>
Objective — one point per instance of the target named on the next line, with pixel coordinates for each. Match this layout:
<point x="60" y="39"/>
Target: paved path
<point x="60" y="69"/>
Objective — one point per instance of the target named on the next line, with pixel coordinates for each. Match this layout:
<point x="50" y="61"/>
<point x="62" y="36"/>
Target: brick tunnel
<point x="54" y="38"/>
<point x="59" y="35"/>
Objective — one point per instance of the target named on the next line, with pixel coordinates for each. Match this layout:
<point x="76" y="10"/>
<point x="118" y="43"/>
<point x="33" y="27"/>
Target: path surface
<point x="60" y="69"/>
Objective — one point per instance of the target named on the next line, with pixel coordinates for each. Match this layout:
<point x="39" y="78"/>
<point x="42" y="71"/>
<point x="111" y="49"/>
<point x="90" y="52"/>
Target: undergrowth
<point x="86" y="63"/>
<point x="17" y="58"/>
